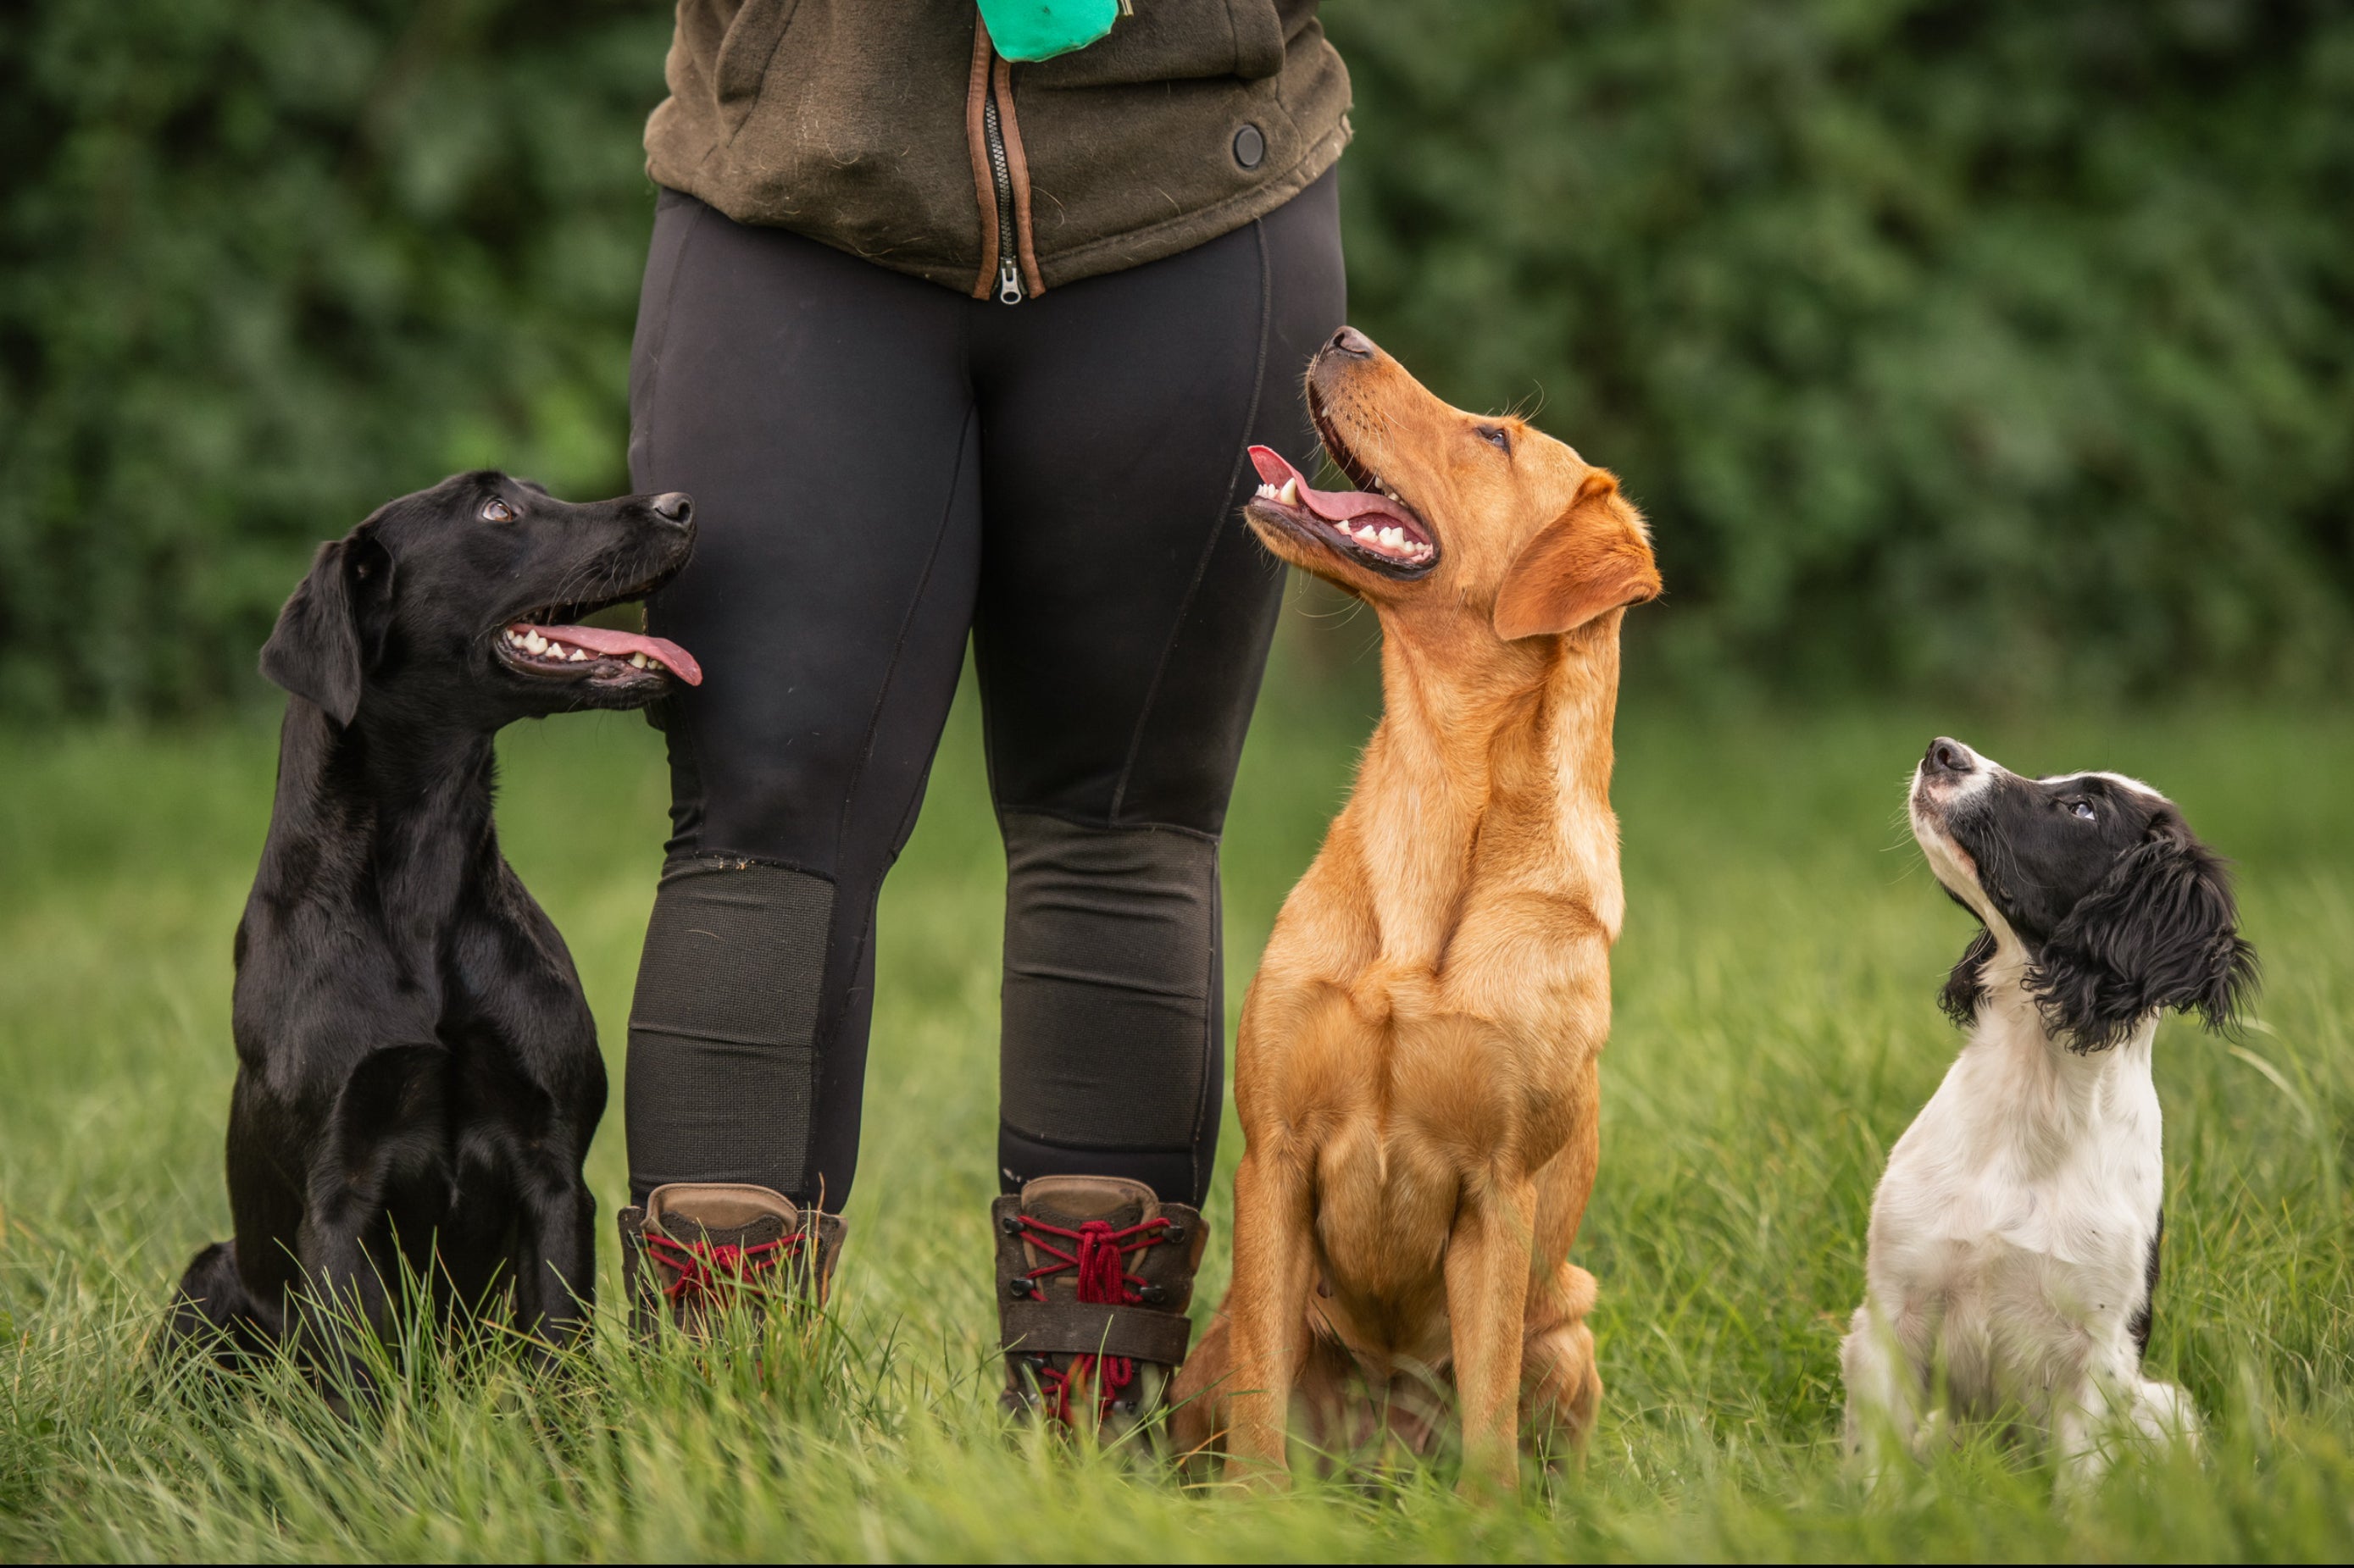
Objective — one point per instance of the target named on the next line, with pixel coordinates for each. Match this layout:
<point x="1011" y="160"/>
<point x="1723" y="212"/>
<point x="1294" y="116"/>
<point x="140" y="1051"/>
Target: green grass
<point x="1774" y="1033"/>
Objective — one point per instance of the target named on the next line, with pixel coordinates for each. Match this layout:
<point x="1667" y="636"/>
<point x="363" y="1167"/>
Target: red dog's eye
<point x="497" y="511"/>
<point x="1496" y="437"/>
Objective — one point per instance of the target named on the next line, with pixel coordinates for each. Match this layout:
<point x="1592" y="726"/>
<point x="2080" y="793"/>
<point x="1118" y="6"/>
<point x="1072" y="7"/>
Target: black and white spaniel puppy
<point x="2014" y="1236"/>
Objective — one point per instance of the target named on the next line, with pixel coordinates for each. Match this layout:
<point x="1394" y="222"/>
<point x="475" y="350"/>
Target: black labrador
<point x="417" y="1076"/>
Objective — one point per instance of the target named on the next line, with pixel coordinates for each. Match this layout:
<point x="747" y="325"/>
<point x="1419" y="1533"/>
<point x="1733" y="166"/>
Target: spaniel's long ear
<point x="1591" y="558"/>
<point x="1965" y="986"/>
<point x="2161" y="930"/>
<point x="318" y="650"/>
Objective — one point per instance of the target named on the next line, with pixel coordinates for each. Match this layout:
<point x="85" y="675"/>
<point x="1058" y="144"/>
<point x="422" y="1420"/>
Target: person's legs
<point x="821" y="412"/>
<point x="1124" y="620"/>
<point x="818" y="409"/>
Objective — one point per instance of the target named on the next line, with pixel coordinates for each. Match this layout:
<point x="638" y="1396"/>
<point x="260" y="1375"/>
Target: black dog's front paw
<point x="213" y="1314"/>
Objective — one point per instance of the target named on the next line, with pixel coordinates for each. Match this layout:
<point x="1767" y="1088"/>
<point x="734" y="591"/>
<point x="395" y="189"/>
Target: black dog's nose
<point x="673" y="506"/>
<point x="1352" y="342"/>
<point x="1948" y="758"/>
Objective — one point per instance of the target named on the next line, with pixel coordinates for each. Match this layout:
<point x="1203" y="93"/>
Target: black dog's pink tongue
<point x="621" y="644"/>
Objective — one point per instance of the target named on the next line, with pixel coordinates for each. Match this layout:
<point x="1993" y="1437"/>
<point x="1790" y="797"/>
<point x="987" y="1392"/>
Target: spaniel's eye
<point x="2082" y="809"/>
<point x="497" y="511"/>
<point x="1496" y="437"/>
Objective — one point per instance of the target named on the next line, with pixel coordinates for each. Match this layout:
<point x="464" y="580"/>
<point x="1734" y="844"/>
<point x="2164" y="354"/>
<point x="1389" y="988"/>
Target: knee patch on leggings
<point x="1111" y="985"/>
<point x="722" y="1076"/>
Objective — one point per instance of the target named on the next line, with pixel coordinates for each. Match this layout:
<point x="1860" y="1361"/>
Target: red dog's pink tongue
<point x="1273" y="466"/>
<point x="597" y="640"/>
<point x="1332" y="505"/>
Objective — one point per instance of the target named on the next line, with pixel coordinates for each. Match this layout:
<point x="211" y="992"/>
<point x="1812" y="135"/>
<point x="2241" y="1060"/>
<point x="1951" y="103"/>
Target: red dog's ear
<point x="1591" y="558"/>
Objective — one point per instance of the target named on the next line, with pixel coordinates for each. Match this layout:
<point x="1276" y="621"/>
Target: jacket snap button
<point x="1250" y="146"/>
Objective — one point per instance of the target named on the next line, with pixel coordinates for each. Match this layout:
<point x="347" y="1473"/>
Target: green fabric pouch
<point x="1041" y="29"/>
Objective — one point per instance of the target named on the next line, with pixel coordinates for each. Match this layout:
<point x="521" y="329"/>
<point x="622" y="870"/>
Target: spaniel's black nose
<point x="1947" y="758"/>
<point x="673" y="506"/>
<point x="1352" y="342"/>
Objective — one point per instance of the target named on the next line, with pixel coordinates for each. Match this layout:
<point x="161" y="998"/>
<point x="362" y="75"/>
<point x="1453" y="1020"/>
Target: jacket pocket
<point x="745" y="51"/>
<point x="1174" y="40"/>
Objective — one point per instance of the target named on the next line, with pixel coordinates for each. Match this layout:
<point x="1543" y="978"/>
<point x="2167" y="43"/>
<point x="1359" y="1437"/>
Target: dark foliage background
<point x="1994" y="346"/>
<point x="265" y="263"/>
<point x="1993" y="343"/>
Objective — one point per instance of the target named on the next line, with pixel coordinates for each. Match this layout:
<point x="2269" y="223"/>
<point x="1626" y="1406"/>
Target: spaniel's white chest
<point x="2013" y="1233"/>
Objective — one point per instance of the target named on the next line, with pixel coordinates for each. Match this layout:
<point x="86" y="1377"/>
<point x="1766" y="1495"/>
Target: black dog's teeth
<point x="558" y="652"/>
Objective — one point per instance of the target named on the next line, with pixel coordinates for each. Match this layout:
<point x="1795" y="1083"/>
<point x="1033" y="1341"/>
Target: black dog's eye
<point x="2084" y="808"/>
<point x="497" y="511"/>
<point x="1496" y="437"/>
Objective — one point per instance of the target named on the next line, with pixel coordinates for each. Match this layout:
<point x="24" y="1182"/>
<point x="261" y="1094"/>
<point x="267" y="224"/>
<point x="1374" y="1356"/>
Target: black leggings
<point x="880" y="466"/>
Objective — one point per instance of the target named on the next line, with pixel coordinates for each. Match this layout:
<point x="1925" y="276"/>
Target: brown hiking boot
<point x="697" y="1246"/>
<point x="1093" y="1274"/>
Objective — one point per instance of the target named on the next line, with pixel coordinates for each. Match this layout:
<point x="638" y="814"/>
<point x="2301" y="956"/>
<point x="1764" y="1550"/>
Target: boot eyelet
<point x="1174" y="1234"/>
<point x="1152" y="1295"/>
<point x="1019" y="1288"/>
<point x="1010" y="1225"/>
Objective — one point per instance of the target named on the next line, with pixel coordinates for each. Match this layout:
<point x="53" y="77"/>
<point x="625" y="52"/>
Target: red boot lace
<point x="708" y="1273"/>
<point x="1098" y="1253"/>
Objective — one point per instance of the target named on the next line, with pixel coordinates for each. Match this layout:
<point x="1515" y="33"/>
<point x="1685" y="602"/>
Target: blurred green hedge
<point x="2001" y="346"/>
<point x="266" y="263"/>
<point x="1998" y="346"/>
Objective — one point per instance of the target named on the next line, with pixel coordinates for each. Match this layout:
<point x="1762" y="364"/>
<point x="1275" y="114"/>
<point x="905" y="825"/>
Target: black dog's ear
<point x="1965" y="986"/>
<point x="2161" y="930"/>
<point x="318" y="650"/>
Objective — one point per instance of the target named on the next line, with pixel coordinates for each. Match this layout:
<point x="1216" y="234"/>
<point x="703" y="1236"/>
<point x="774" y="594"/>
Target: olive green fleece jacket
<point x="891" y="129"/>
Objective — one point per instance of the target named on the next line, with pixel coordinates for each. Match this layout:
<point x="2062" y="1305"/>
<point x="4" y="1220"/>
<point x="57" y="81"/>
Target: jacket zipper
<point x="1000" y="173"/>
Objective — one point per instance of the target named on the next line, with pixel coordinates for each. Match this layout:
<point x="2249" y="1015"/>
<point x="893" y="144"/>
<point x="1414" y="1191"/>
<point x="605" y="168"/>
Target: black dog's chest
<point x="508" y="988"/>
<point x="494" y="988"/>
